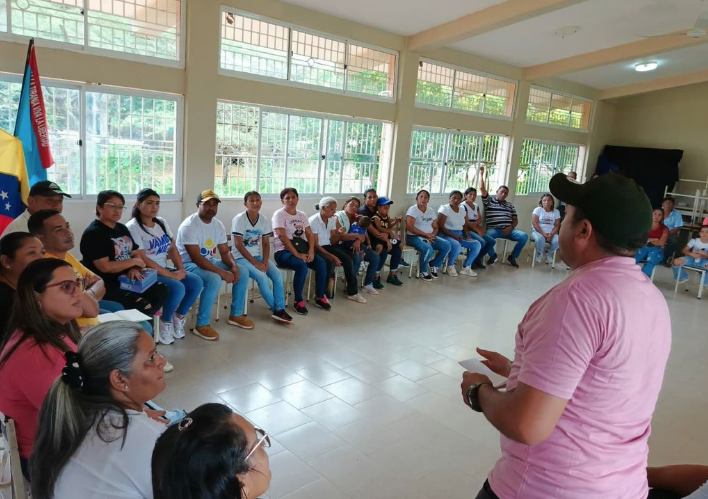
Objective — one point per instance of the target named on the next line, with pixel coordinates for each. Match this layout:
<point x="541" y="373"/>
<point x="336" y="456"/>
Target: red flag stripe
<point x="38" y="114"/>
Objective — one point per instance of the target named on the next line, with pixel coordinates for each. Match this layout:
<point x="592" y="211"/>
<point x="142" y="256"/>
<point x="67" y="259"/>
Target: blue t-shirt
<point x="354" y="229"/>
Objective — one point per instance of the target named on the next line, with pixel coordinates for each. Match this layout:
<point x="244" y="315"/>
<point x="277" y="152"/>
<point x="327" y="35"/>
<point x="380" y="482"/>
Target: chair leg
<point x="678" y="278"/>
<point x="700" y="285"/>
<point x="533" y="260"/>
<point x="553" y="264"/>
<point x="156" y="327"/>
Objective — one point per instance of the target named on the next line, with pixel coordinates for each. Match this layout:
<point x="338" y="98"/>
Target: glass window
<point x="317" y="60"/>
<point x="426" y="162"/>
<point x="56" y="20"/>
<point x="236" y="148"/>
<point x="434" y="85"/>
<point x="541" y="160"/>
<point x="550" y="108"/>
<point x="370" y="71"/>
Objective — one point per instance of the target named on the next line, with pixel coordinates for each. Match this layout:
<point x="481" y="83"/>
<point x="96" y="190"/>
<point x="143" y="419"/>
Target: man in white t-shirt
<point x="199" y="238"/>
<point x="695" y="254"/>
<point x="44" y="195"/>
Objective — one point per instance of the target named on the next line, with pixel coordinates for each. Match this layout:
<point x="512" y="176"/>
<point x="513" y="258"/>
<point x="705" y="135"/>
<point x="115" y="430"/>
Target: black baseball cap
<point x="615" y="205"/>
<point x="47" y="189"/>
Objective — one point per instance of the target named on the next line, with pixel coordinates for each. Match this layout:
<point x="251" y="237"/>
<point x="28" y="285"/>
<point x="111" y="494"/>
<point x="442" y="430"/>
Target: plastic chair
<point x="17" y="479"/>
<point x="702" y="282"/>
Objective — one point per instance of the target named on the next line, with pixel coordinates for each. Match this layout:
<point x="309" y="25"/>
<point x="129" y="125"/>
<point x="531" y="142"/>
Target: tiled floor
<point x="364" y="401"/>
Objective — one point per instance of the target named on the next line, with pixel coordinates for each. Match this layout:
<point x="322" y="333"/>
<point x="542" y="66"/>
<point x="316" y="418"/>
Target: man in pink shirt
<point x="589" y="360"/>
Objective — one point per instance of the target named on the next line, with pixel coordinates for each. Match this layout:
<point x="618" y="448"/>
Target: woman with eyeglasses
<point x="95" y="439"/>
<point x="43" y="327"/>
<point x="110" y="251"/>
<point x="17" y="250"/>
<point x="212" y="453"/>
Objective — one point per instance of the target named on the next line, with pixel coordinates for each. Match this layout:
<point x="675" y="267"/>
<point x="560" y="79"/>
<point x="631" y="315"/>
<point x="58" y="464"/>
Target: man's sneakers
<point x="178" y="327"/>
<point x="404" y="263"/>
<point x="241" y="321"/>
<point x="512" y="261"/>
<point x="477" y="264"/>
<point x="369" y="288"/>
<point x="357" y="298"/>
<point x="451" y="271"/>
<point x="393" y="279"/>
<point x="426" y="277"/>
<point x="166" y="333"/>
<point x="377" y="282"/>
<point x="300" y="308"/>
<point x="206" y="332"/>
<point x="492" y="259"/>
<point x="468" y="271"/>
<point x="282" y="316"/>
<point x="323" y="303"/>
<point x="433" y="271"/>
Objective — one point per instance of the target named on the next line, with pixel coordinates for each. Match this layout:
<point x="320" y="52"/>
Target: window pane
<point x="426" y="162"/>
<point x="370" y="71"/>
<point x="303" y="159"/>
<point x="253" y="46"/>
<point x="462" y="161"/>
<point x="9" y="100"/>
<point x="540" y="161"/>
<point x="493" y="160"/>
<point x="560" y="110"/>
<point x="539" y="105"/>
<point x="130" y="143"/>
<point x="317" y="60"/>
<point x="499" y="99"/>
<point x="142" y="27"/>
<point x="3" y="15"/>
<point x="64" y="122"/>
<point x="361" y="157"/>
<point x="274" y="140"/>
<point x="580" y="114"/>
<point x="336" y="131"/>
<point x="434" y="85"/>
<point x="236" y="166"/>
<point x="469" y="92"/>
<point x="57" y="20"/>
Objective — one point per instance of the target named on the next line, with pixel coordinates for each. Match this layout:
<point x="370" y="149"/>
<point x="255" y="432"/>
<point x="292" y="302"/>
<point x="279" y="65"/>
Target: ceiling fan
<point x="699" y="30"/>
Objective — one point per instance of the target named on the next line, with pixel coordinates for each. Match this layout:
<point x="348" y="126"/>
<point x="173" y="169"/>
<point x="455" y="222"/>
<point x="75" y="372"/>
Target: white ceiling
<point x="403" y="17"/>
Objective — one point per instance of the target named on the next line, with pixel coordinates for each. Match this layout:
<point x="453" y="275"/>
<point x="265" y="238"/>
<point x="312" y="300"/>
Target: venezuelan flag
<point x="14" y="185"/>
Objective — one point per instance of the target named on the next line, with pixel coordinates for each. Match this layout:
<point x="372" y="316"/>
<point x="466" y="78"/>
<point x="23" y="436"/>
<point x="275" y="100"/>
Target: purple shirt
<point x="600" y="339"/>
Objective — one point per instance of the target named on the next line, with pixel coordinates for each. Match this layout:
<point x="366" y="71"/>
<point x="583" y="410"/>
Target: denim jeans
<point x="653" y="256"/>
<point x="370" y="256"/>
<point x="107" y="306"/>
<point x="350" y="272"/>
<point x="473" y="247"/>
<point x="700" y="263"/>
<point x="487" y="244"/>
<point x="425" y="250"/>
<point x="540" y="242"/>
<point x="671" y="246"/>
<point x="487" y="492"/>
<point x="396" y="255"/>
<point x="520" y="237"/>
<point x="287" y="260"/>
<point x="212" y="285"/>
<point x="275" y="298"/>
<point x="181" y="295"/>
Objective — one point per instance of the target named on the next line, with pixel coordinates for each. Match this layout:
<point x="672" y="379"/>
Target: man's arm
<point x="482" y="185"/>
<point x="200" y="261"/>
<point x="682" y="479"/>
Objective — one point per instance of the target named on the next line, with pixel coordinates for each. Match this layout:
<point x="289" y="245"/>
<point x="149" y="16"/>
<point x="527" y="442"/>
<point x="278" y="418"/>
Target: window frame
<point x="449" y="133"/>
<point x="453" y="109"/>
<point x="83" y="89"/>
<point x="9" y="36"/>
<point x="322" y="163"/>
<point x="579" y="166"/>
<point x="573" y="98"/>
<point x="232" y="73"/>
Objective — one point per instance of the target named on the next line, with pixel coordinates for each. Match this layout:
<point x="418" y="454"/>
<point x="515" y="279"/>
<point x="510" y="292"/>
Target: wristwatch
<point x="473" y="396"/>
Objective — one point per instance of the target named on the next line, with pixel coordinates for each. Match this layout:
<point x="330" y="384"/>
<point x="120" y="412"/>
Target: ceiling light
<point x="645" y="66"/>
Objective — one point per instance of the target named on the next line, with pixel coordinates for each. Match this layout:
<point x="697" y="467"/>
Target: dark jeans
<point x="368" y="255"/>
<point x="155" y="296"/>
<point x="396" y="253"/>
<point x="487" y="492"/>
<point x="662" y="494"/>
<point x="671" y="246"/>
<point x="347" y="264"/>
<point x="287" y="260"/>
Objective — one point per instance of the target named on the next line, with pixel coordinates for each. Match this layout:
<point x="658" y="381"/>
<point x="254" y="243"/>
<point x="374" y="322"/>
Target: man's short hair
<point x="35" y="224"/>
<point x="670" y="199"/>
<point x="604" y="243"/>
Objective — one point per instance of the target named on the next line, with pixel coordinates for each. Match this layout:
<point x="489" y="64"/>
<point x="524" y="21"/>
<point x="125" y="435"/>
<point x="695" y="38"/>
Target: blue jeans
<point x="396" y="255"/>
<point x="181" y="295"/>
<point x="426" y="249"/>
<point x="370" y="256"/>
<point x="653" y="255"/>
<point x="212" y="285"/>
<point x="690" y="262"/>
<point x="520" y="237"/>
<point x="474" y="247"/>
<point x="287" y="260"/>
<point x="540" y="242"/>
<point x="107" y="306"/>
<point x="671" y="246"/>
<point x="275" y="298"/>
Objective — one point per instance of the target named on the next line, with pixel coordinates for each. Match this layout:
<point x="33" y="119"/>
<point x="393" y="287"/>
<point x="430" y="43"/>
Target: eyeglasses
<point x="68" y="287"/>
<point x="116" y="206"/>
<point x="263" y="439"/>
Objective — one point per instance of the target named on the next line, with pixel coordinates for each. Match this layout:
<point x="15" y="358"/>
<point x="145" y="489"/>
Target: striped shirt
<point x="499" y="215"/>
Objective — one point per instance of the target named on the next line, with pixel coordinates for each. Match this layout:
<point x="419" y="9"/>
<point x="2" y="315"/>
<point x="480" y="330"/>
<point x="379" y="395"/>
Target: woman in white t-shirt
<point x="695" y="255"/>
<point x="152" y="234"/>
<point x="453" y="222"/>
<point x="95" y="440"/>
<point x="422" y="234"/>
<point x="295" y="250"/>
<point x="545" y="224"/>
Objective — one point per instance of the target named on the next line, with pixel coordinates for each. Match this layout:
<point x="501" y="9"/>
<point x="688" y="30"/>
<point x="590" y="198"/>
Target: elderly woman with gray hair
<point x="95" y="440"/>
<point x="327" y="230"/>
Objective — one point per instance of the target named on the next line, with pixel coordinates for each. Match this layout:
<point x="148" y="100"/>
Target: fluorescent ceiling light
<point x="645" y="66"/>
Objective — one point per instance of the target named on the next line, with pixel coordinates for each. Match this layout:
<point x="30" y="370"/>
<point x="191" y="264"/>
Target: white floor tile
<point x="333" y="413"/>
<point x="275" y="378"/>
<point x="414" y="371"/>
<point x="321" y="489"/>
<point x="370" y="372"/>
<point x="278" y="418"/>
<point x="352" y="390"/>
<point x="290" y="473"/>
<point x="322" y="373"/>
<point x="310" y="440"/>
<point x="249" y="397"/>
<point x="400" y="388"/>
<point x="346" y="467"/>
<point x="302" y="394"/>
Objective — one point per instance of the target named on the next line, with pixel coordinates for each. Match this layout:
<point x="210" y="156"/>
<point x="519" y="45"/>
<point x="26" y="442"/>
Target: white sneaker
<point x="468" y="271"/>
<point x="370" y="289"/>
<point x="549" y="259"/>
<point x="168" y="367"/>
<point x="357" y="298"/>
<point x="178" y="327"/>
<point x="166" y="336"/>
<point x="451" y="271"/>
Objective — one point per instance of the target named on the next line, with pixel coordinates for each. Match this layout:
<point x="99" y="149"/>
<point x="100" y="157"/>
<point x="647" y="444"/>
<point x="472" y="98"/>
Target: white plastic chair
<point x="17" y="479"/>
<point x="697" y="270"/>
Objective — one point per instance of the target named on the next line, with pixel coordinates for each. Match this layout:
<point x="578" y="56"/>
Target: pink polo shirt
<point x="600" y="339"/>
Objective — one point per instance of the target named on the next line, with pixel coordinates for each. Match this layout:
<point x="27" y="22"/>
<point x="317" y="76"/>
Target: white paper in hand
<point x="476" y="366"/>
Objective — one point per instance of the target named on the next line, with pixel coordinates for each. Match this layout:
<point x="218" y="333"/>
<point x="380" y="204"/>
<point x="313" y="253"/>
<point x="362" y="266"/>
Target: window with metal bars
<point x="551" y="108"/>
<point x="267" y="149"/>
<point x="114" y="139"/>
<point x="143" y="29"/>
<point x="251" y="45"/>
<point x="541" y="160"/>
<point x="465" y="91"/>
<point x="442" y="160"/>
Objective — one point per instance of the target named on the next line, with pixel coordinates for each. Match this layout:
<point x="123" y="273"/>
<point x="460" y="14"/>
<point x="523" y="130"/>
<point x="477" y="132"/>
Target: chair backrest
<point x="17" y="479"/>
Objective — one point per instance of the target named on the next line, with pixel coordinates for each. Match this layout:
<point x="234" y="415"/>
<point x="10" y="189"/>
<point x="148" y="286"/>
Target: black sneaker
<point x="433" y="272"/>
<point x="477" y="265"/>
<point x="426" y="278"/>
<point x="323" y="304"/>
<point x="282" y="316"/>
<point x="492" y="260"/>
<point x="377" y="283"/>
<point x="512" y="262"/>
<point x="404" y="263"/>
<point x="393" y="279"/>
<point x="300" y="308"/>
